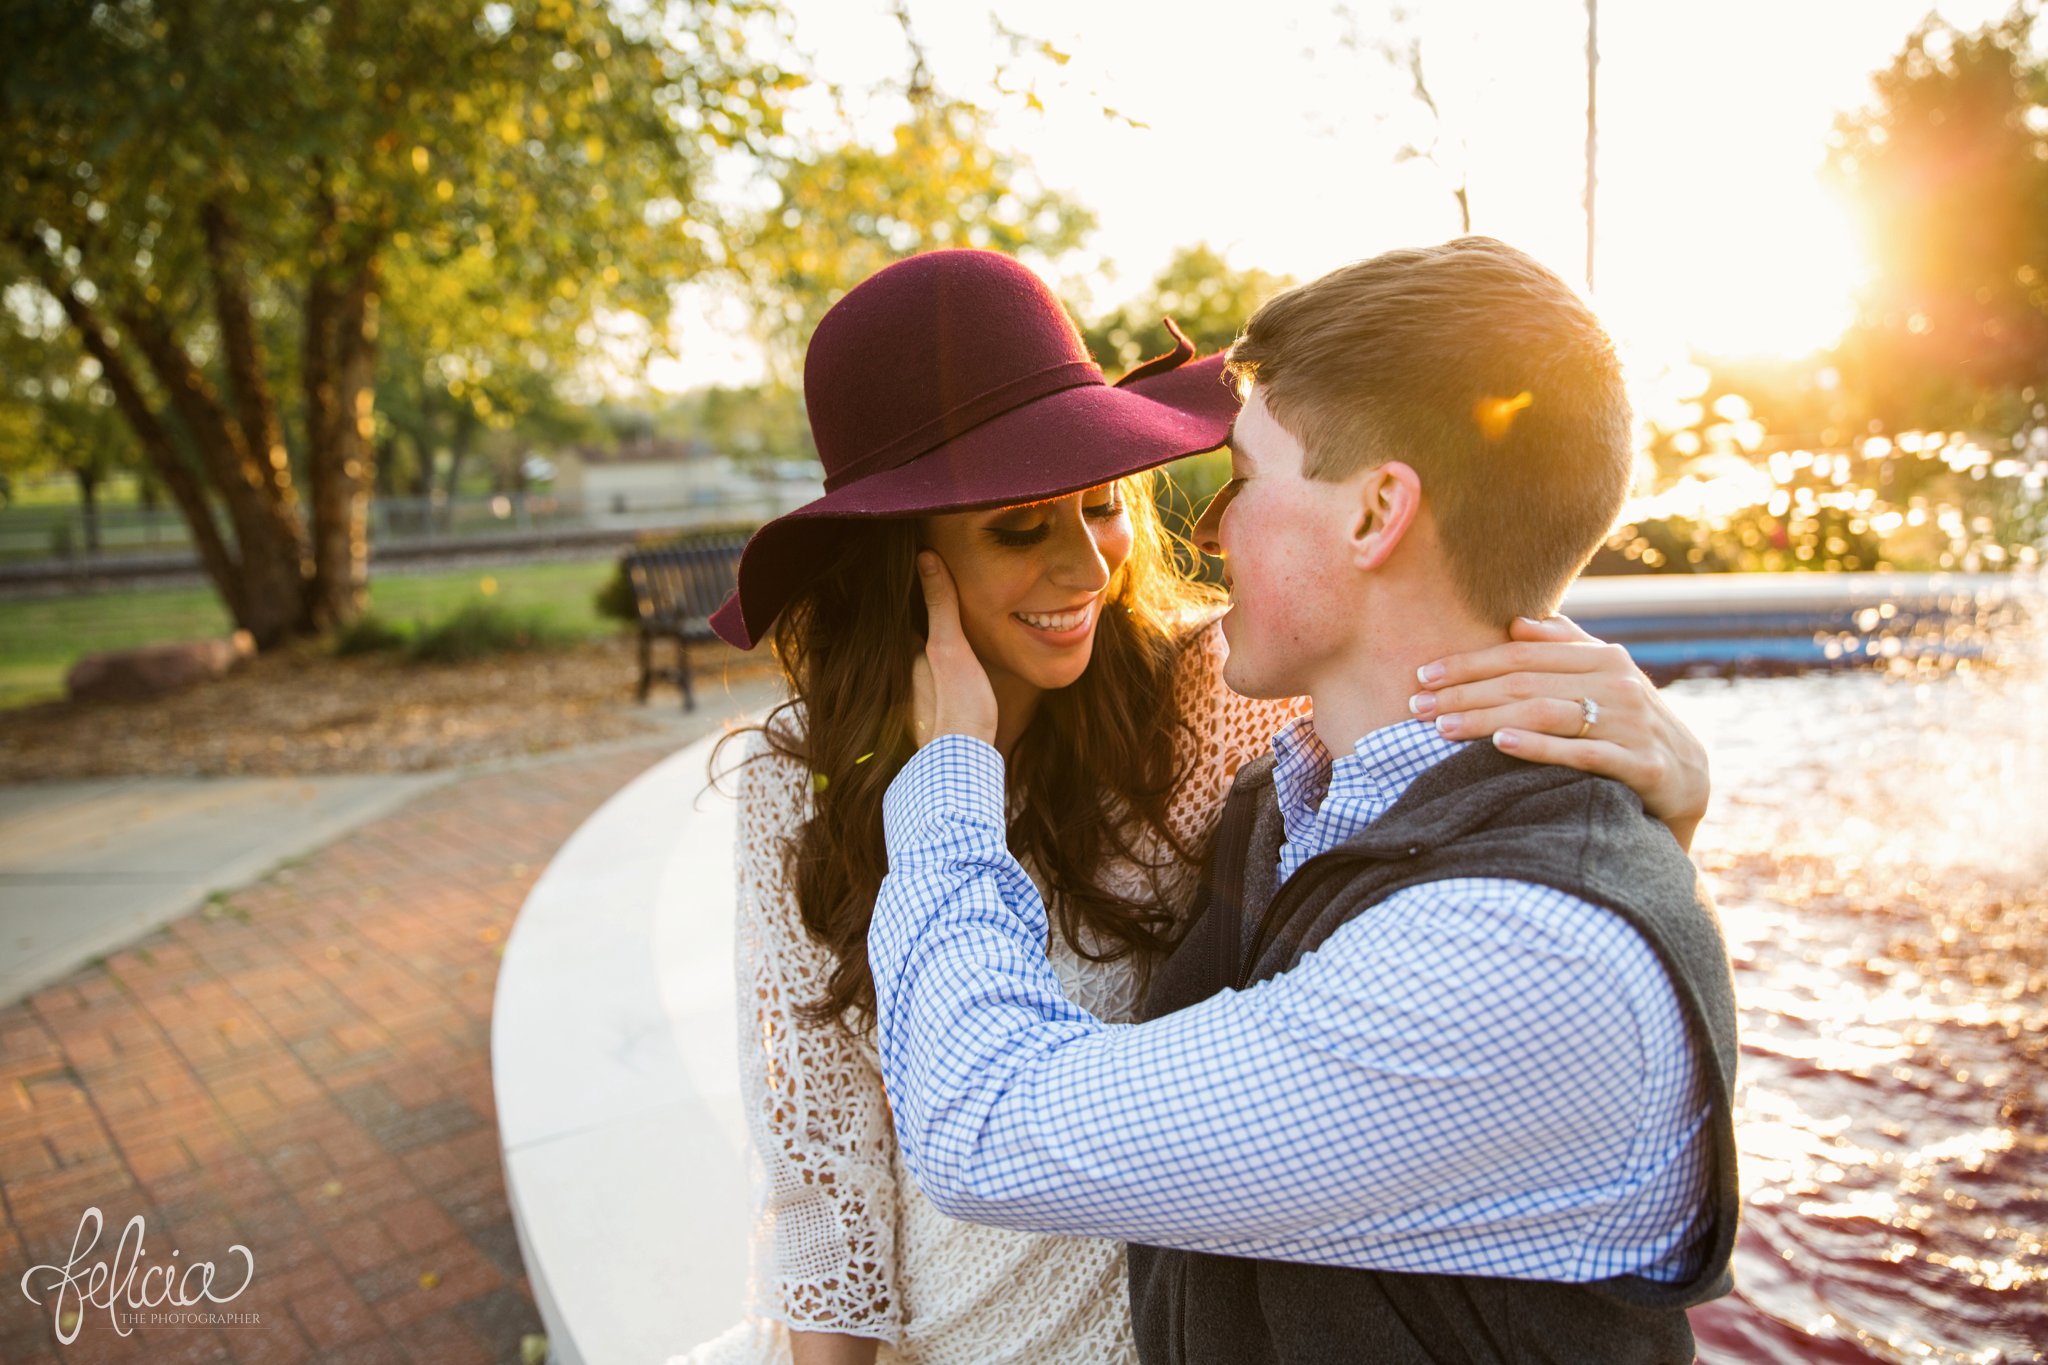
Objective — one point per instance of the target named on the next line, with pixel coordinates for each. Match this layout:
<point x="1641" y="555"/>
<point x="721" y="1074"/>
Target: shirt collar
<point x="1301" y="771"/>
<point x="1365" y="782"/>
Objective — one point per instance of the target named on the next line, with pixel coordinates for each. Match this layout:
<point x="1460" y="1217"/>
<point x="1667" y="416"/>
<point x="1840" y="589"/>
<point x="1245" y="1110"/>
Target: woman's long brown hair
<point x="1095" y="769"/>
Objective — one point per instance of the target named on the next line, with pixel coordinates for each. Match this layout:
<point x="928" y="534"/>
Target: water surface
<point x="1879" y="849"/>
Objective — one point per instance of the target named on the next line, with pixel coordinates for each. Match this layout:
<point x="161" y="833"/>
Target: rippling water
<point x="1879" y="847"/>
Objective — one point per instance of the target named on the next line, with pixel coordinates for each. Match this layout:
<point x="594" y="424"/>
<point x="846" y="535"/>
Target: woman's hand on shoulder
<point x="1555" y="694"/>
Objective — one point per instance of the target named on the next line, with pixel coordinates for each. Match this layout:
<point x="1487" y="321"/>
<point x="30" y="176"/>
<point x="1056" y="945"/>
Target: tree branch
<point x="262" y="432"/>
<point x="150" y="431"/>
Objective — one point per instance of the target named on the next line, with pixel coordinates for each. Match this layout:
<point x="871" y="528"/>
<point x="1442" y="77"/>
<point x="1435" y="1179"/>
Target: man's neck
<point x="1369" y="687"/>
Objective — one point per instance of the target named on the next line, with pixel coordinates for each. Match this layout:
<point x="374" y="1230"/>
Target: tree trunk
<point x="155" y="438"/>
<point x="424" y="447"/>
<point x="340" y="364"/>
<point x="262" y="430"/>
<point x="422" y="485"/>
<point x="267" y="534"/>
<point x="459" y="442"/>
<point x="412" y="479"/>
<point x="88" y="505"/>
<point x="387" y="466"/>
<point x="275" y="579"/>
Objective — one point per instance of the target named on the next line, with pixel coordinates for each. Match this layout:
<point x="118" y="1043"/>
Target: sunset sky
<point x="1275" y="140"/>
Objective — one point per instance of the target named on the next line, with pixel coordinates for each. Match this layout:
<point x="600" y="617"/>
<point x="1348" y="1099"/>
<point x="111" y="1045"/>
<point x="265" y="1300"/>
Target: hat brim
<point x="1062" y="443"/>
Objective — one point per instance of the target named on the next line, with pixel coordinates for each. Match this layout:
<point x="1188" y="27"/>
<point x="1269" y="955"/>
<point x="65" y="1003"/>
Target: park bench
<point x="676" y="587"/>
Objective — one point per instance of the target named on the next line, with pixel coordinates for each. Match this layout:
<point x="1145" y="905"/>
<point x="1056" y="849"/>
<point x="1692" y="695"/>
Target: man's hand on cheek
<point x="949" y="687"/>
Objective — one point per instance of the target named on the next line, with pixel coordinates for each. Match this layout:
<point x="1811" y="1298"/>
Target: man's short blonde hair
<point x="1485" y="372"/>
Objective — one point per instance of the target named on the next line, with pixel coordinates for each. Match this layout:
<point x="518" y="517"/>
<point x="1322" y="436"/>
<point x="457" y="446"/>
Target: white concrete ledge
<point x="613" y="1054"/>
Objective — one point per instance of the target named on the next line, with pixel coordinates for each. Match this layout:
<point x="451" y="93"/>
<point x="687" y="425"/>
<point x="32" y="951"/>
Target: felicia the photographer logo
<point x="171" y="1292"/>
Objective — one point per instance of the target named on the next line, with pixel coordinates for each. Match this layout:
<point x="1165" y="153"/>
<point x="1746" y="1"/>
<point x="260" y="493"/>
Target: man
<point x="1444" y="1068"/>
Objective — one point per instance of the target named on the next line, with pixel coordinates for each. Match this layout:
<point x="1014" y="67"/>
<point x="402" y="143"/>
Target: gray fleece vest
<point x="1476" y="814"/>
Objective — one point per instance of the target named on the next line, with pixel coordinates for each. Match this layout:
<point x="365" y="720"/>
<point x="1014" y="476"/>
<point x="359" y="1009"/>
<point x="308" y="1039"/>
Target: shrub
<point x="481" y="628"/>
<point x="615" y="598"/>
<point x="371" y="634"/>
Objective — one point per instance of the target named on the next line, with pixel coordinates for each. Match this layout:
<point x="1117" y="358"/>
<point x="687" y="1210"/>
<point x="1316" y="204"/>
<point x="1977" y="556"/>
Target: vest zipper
<point x="1226" y="869"/>
<point x="1272" y="918"/>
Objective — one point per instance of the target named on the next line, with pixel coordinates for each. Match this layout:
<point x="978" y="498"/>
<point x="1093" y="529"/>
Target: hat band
<point x="964" y="417"/>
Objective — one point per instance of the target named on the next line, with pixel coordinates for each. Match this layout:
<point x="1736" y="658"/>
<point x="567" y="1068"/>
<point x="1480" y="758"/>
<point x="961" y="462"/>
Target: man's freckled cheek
<point x="1284" y="582"/>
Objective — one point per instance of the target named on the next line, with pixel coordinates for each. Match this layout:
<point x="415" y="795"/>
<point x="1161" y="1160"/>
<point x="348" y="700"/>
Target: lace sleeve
<point x="823" y="1242"/>
<point x="1222" y="730"/>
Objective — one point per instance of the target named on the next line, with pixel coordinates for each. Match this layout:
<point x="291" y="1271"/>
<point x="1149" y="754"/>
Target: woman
<point x="954" y="406"/>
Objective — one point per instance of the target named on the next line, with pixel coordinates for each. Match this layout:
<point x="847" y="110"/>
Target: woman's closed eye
<point x="1018" y="538"/>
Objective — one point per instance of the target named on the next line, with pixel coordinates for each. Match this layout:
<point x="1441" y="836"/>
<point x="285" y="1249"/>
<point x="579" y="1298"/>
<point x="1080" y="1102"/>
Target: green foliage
<point x="1948" y="352"/>
<point x="434" y="411"/>
<point x="54" y="417"/>
<point x="1735" y="404"/>
<point x="1950" y="168"/>
<point x="1210" y="301"/>
<point x="1819" y="539"/>
<point x="1181" y="492"/>
<point x="518" y="164"/>
<point x="1200" y="291"/>
<point x="371" y="634"/>
<point x="847" y="211"/>
<point x="614" y="600"/>
<point x="480" y="628"/>
<point x="1926" y="504"/>
<point x="240" y="201"/>
<point x="754" y="424"/>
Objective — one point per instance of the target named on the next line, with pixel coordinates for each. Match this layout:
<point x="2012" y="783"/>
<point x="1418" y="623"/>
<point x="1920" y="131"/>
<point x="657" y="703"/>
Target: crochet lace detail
<point x="842" y="1241"/>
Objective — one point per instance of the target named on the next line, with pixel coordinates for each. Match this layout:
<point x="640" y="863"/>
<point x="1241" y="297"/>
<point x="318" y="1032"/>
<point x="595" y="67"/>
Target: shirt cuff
<point x="954" y="780"/>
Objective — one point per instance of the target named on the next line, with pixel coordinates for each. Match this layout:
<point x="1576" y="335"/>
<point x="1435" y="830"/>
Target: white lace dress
<point x="842" y="1239"/>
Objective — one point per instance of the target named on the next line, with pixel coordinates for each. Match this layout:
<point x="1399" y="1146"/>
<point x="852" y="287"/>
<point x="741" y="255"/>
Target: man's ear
<point x="1389" y="497"/>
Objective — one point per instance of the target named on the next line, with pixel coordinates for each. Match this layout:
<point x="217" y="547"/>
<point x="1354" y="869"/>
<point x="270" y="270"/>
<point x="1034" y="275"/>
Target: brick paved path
<point x="303" y="1067"/>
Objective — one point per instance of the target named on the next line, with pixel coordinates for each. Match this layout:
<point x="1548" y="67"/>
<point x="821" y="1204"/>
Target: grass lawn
<point x="41" y="638"/>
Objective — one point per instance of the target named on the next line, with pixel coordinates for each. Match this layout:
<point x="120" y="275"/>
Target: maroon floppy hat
<point x="953" y="380"/>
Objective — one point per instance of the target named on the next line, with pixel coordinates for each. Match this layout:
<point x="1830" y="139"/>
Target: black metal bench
<point x="676" y="587"/>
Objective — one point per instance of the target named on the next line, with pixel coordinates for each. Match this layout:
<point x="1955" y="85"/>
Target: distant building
<point x="651" y="480"/>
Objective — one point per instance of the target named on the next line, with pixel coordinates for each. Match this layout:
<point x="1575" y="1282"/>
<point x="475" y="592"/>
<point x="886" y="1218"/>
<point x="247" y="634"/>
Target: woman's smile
<point x="1062" y="627"/>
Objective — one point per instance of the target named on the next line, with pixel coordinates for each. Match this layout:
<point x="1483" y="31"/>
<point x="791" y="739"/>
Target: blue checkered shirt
<point x="1479" y="1077"/>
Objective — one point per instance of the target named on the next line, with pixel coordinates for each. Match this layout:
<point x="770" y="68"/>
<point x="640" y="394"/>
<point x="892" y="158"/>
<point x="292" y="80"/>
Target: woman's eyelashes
<point x="1019" y="539"/>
